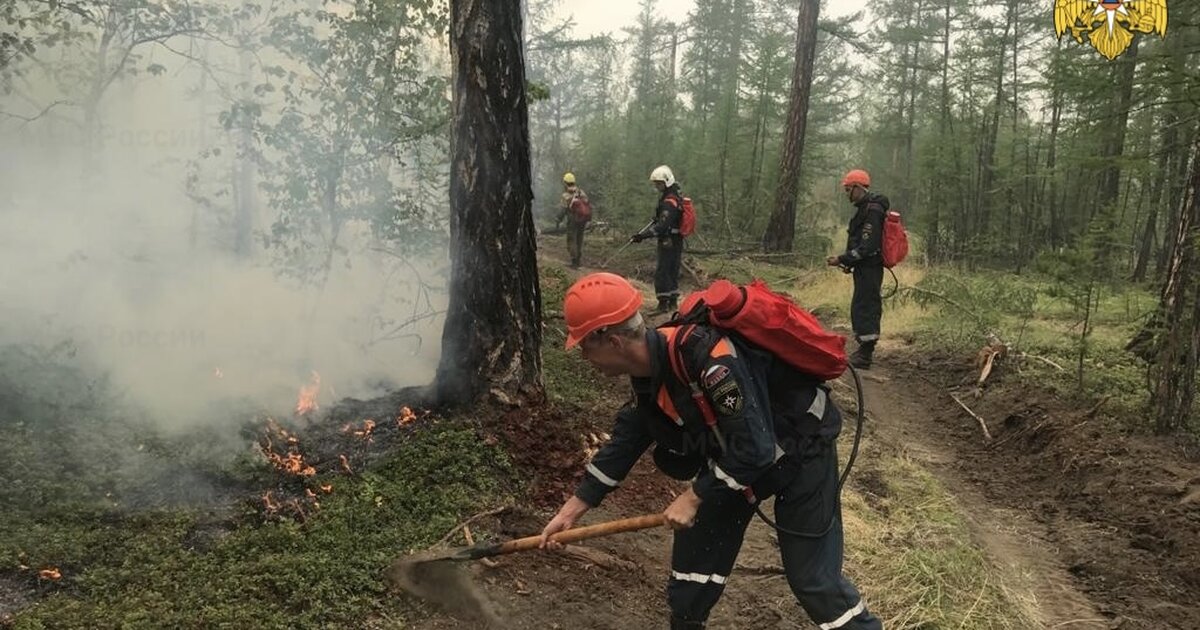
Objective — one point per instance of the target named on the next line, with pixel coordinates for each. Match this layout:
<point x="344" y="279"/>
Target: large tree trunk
<point x="493" y="335"/>
<point x="781" y="229"/>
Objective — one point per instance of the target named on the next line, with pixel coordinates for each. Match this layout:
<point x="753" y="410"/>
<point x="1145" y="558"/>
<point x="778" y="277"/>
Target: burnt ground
<point x="1095" y="511"/>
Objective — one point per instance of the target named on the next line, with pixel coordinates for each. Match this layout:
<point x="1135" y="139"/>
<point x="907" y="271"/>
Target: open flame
<point x="406" y="416"/>
<point x="308" y="395"/>
<point x="368" y="426"/>
<point x="50" y="573"/>
<point x="345" y="464"/>
<point x="291" y="462"/>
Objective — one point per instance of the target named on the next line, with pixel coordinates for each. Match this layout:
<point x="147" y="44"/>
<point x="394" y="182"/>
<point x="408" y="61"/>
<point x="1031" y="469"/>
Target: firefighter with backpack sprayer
<point x="864" y="259"/>
<point x="741" y="423"/>
<point x="577" y="210"/>
<point x="667" y="228"/>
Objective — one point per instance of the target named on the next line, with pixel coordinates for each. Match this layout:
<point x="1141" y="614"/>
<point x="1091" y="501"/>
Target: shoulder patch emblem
<point x="714" y="375"/>
<point x="724" y="393"/>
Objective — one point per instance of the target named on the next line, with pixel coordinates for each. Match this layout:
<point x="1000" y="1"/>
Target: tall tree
<point x="781" y="229"/>
<point x="1178" y="348"/>
<point x="492" y="337"/>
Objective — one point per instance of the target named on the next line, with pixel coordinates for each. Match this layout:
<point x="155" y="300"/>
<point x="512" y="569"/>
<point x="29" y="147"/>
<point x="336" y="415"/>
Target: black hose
<point x="895" y="284"/>
<point x="858" y="432"/>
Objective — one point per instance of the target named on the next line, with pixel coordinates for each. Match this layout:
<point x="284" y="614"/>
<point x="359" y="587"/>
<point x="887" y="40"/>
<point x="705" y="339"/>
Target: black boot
<point x="664" y="305"/>
<point x="680" y="624"/>
<point x="861" y="358"/>
<point x="672" y="303"/>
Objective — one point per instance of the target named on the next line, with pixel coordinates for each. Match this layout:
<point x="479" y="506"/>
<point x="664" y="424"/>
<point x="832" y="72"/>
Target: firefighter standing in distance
<point x="863" y="258"/>
<point x="575" y="224"/>
<point x="668" y="216"/>
<point x="777" y="431"/>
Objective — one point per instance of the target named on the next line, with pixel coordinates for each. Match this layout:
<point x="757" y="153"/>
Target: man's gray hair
<point x="635" y="326"/>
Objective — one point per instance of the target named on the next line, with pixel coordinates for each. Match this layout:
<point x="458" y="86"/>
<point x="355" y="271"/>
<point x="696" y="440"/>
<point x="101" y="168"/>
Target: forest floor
<point x="1065" y="518"/>
<point x="1060" y="520"/>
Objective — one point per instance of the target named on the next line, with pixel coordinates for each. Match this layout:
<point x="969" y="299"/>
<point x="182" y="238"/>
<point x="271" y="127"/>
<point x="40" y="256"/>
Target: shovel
<point x="432" y="575"/>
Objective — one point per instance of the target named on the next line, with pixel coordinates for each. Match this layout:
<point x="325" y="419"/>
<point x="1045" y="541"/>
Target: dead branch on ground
<point x="450" y="534"/>
<point x="982" y="425"/>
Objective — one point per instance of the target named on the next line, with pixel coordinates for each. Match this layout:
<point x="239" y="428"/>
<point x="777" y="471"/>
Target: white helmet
<point x="663" y="174"/>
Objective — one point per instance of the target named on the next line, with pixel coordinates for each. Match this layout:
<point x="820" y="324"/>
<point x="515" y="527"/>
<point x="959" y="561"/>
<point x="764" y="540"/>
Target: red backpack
<point x="895" y="240"/>
<point x="581" y="208"/>
<point x="769" y="321"/>
<point x="687" y="223"/>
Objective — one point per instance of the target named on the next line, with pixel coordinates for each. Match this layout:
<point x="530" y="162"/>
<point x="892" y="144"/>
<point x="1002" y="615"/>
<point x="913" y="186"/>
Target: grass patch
<point x="913" y="553"/>
<point x="146" y="570"/>
<point x="1035" y="316"/>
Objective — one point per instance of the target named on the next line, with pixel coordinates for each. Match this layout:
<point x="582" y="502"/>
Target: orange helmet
<point x="598" y="300"/>
<point x="857" y="177"/>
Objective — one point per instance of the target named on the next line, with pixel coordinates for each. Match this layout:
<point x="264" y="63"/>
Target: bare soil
<point x="1094" y="509"/>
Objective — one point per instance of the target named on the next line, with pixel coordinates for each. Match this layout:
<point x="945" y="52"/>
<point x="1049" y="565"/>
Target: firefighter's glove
<point x="637" y="238"/>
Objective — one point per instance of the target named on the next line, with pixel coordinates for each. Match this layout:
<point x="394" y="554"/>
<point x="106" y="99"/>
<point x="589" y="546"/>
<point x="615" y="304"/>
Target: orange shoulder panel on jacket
<point x="722" y="349"/>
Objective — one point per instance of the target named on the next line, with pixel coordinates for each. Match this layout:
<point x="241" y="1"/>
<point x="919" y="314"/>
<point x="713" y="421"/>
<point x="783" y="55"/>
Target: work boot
<point x="861" y="358"/>
<point x="672" y="303"/>
<point x="664" y="305"/>
<point x="681" y="624"/>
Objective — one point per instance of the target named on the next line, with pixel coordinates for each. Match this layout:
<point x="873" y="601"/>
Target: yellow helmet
<point x="569" y="178"/>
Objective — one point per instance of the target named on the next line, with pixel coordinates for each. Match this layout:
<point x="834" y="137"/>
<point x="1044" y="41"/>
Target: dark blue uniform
<point x="779" y="429"/>
<point x="668" y="216"/>
<point x="864" y="257"/>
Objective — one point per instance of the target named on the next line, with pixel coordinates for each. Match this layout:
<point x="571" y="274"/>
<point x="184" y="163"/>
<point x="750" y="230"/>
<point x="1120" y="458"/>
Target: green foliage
<point x="362" y="97"/>
<point x="975" y="306"/>
<point x="148" y="569"/>
<point x="153" y="529"/>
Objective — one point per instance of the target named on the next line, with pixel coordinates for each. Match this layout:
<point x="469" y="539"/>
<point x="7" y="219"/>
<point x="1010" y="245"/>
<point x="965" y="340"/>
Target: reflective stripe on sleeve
<point x="729" y="481"/>
<point x="604" y="479"/>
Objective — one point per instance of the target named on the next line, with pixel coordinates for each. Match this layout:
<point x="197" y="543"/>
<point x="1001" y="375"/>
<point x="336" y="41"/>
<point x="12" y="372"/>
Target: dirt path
<point x="1018" y="544"/>
<point x="1104" y="523"/>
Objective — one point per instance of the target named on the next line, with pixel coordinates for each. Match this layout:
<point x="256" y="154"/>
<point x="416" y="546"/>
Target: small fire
<point x="345" y="464"/>
<point x="308" y="395"/>
<point x="268" y="503"/>
<point x="406" y="416"/>
<point x="291" y="463"/>
<point x="312" y="497"/>
<point x="50" y="573"/>
<point x="326" y="488"/>
<point x="365" y="432"/>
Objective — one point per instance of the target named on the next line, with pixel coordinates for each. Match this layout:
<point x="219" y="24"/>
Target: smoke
<point x="102" y="249"/>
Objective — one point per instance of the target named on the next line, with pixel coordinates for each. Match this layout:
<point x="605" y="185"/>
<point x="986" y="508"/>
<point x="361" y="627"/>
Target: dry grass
<point x="830" y="290"/>
<point x="912" y="553"/>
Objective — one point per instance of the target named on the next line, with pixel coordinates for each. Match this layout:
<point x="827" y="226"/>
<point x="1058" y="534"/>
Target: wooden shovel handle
<point x="631" y="524"/>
